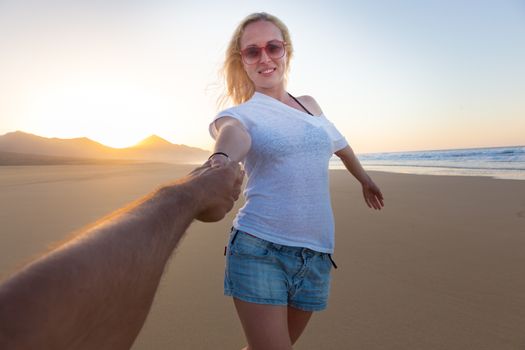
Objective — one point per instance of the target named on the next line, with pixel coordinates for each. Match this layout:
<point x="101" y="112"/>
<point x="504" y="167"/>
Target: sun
<point x="112" y="113"/>
<point x="118" y="140"/>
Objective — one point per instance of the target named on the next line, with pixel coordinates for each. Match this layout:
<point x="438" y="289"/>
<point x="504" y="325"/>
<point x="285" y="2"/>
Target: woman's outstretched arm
<point x="231" y="138"/>
<point x="371" y="192"/>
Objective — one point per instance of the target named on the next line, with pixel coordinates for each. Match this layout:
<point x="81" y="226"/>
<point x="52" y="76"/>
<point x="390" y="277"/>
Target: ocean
<point x="496" y="162"/>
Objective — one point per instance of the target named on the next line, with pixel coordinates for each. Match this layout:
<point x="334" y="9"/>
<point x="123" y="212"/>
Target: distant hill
<point x="23" y="148"/>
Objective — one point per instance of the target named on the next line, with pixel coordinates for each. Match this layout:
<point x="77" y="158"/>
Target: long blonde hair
<point x="238" y="86"/>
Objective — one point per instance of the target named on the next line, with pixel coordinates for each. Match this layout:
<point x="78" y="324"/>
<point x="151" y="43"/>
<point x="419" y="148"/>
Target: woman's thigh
<point x="265" y="326"/>
<point x="297" y="321"/>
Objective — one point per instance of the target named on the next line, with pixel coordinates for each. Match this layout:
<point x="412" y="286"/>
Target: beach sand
<point x="441" y="267"/>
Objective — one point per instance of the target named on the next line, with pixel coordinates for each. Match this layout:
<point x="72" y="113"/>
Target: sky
<point x="392" y="75"/>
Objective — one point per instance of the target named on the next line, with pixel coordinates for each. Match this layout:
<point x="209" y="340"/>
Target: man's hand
<point x="219" y="187"/>
<point x="76" y="296"/>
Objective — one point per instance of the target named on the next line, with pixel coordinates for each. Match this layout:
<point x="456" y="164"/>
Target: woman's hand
<point x="372" y="194"/>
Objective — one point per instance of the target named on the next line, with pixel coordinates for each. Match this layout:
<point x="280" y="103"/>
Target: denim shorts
<point x="262" y="272"/>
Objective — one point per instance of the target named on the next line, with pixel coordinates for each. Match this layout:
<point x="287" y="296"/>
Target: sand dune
<point x="441" y="267"/>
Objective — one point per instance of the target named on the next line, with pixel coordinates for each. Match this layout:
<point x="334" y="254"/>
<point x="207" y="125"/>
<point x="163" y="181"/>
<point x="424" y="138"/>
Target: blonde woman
<point x="279" y="254"/>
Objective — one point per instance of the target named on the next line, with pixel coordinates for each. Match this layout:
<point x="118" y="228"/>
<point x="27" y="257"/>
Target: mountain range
<point x="19" y="148"/>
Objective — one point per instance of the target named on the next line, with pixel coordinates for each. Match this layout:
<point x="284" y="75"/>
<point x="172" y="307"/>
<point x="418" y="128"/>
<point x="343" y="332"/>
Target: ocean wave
<point x="482" y="154"/>
<point x="446" y="166"/>
<point x="494" y="162"/>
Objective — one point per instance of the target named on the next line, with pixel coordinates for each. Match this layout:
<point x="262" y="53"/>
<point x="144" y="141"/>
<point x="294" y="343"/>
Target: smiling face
<point x="266" y="73"/>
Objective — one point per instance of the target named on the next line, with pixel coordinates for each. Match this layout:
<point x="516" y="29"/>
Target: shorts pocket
<point x="247" y="245"/>
<point x="327" y="265"/>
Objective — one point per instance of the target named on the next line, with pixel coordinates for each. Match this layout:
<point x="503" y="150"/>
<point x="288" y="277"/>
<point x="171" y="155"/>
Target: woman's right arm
<point x="232" y="138"/>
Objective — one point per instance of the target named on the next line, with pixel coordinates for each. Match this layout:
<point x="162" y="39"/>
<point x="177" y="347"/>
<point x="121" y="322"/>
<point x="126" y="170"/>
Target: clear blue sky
<point x="392" y="75"/>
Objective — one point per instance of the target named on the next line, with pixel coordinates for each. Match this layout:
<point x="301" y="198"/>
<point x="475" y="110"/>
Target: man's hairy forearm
<point x="101" y="284"/>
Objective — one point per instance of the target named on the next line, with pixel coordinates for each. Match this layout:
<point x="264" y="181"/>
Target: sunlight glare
<point x="114" y="114"/>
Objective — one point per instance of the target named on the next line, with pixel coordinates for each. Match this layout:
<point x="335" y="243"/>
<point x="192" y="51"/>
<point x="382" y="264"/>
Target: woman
<point x="278" y="261"/>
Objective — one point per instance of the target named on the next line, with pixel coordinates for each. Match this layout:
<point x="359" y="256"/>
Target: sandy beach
<point x="441" y="267"/>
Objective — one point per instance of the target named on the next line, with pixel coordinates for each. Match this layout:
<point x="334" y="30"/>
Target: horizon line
<point x="363" y="153"/>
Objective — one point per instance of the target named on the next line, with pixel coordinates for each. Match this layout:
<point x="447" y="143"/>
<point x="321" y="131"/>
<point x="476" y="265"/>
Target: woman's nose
<point x="264" y="56"/>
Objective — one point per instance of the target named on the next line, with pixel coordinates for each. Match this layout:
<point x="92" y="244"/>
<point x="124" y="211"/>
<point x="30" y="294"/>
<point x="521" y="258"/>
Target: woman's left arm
<point x="371" y="192"/>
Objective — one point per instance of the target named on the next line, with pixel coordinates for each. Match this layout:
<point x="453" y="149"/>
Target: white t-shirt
<point x="287" y="191"/>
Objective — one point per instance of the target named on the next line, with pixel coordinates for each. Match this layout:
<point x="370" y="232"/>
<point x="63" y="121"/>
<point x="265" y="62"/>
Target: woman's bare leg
<point x="265" y="326"/>
<point x="297" y="321"/>
<point x="270" y="326"/>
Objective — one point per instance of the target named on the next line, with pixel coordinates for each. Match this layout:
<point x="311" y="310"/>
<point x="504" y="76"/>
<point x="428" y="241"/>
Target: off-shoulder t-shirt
<point x="287" y="189"/>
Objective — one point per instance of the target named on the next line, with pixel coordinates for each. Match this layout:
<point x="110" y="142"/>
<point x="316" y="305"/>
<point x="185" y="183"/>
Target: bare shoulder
<point x="311" y="104"/>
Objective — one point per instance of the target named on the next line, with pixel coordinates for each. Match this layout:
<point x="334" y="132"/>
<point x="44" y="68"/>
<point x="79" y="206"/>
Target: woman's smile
<point x="267" y="71"/>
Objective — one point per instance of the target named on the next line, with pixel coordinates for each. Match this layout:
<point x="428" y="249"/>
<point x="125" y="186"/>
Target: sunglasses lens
<point x="252" y="54"/>
<point x="275" y="49"/>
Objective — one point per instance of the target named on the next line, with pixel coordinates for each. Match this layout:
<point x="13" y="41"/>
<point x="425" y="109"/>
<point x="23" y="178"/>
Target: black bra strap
<point x="300" y="104"/>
